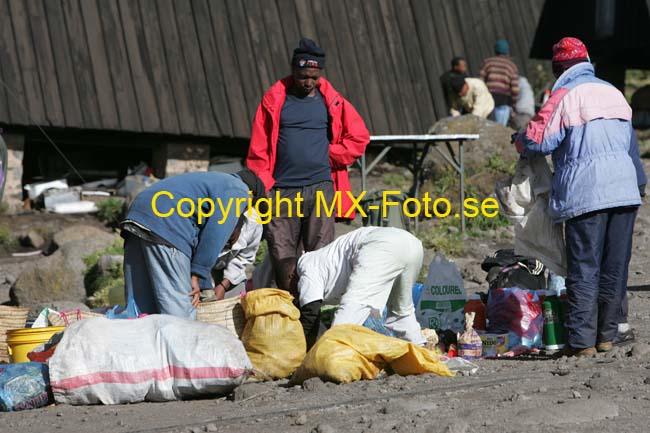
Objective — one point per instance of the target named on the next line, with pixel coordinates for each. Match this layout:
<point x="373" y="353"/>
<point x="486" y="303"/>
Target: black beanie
<point x="254" y="183"/>
<point x="308" y="55"/>
<point x="457" y="81"/>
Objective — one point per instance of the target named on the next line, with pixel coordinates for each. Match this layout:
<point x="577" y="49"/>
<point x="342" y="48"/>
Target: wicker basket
<point x="228" y="313"/>
<point x="10" y="318"/>
<point x="65" y="318"/>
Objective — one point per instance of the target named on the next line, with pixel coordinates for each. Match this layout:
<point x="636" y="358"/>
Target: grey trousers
<point x="158" y="278"/>
<point x="287" y="235"/>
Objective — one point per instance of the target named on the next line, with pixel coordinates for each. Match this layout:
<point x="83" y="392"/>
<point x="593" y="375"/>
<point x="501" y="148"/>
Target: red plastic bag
<point x="517" y="312"/>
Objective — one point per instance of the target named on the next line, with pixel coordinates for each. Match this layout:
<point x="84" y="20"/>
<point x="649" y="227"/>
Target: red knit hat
<point x="569" y="49"/>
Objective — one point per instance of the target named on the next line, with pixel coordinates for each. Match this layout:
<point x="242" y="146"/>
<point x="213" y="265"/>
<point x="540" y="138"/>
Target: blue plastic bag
<point x="417" y="292"/>
<point x="377" y="324"/>
<point x="131" y="311"/>
<point x="24" y="386"/>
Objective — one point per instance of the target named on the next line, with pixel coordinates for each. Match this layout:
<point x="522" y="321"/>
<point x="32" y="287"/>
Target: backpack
<point x="507" y="269"/>
<point x="372" y="205"/>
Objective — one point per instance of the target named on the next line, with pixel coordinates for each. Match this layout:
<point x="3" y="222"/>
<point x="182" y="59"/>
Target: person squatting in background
<point x="167" y="260"/>
<point x="304" y="136"/>
<point x="363" y="271"/>
<point x="525" y="106"/>
<point x="458" y="68"/>
<point x="470" y="96"/>
<point x="502" y="79"/>
<point x="586" y="127"/>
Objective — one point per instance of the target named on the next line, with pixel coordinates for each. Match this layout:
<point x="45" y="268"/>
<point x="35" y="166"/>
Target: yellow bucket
<point x="23" y="341"/>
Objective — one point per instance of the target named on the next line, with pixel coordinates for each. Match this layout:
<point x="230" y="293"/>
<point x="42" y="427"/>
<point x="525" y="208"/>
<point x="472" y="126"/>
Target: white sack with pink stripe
<point x="155" y="358"/>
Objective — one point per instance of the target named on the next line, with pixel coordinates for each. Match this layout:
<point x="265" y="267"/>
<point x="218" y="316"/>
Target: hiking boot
<point x="579" y="353"/>
<point x="604" y="347"/>
<point x="624" y="338"/>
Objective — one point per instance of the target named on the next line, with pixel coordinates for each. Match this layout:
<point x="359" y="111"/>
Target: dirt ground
<point x="607" y="393"/>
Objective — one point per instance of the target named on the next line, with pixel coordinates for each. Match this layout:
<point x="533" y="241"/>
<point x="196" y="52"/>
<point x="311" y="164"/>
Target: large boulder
<point x="60" y="276"/>
<point x="494" y="139"/>
<point x="486" y="160"/>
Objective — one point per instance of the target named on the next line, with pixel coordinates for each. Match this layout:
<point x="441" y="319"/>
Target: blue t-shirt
<point x="303" y="144"/>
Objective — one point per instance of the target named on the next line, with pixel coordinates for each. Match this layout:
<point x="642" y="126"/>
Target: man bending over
<point x="363" y="271"/>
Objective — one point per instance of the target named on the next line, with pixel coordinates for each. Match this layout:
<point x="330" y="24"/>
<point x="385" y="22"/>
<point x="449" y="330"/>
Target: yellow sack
<point x="347" y="353"/>
<point x="273" y="336"/>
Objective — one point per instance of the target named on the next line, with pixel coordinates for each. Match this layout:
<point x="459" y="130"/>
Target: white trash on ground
<point x="36" y="189"/>
<point x="155" y="358"/>
<point x="75" y="207"/>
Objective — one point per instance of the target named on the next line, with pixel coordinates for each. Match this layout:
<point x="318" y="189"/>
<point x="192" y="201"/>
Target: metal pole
<point x="462" y="185"/>
<point x="416" y="184"/>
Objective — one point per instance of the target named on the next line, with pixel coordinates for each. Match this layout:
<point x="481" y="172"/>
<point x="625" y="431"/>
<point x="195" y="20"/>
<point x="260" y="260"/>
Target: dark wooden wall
<point x="200" y="67"/>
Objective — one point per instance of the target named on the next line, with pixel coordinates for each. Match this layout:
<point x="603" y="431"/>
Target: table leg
<point x="462" y="185"/>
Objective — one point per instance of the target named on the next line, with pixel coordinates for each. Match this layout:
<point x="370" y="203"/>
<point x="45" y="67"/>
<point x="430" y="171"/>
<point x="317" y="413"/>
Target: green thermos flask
<point x="554" y="337"/>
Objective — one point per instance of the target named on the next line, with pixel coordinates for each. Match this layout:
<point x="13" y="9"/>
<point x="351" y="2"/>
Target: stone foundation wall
<point x="13" y="193"/>
<point x="177" y="158"/>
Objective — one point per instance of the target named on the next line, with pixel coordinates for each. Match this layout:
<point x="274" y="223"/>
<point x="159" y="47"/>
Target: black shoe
<point x="624" y="338"/>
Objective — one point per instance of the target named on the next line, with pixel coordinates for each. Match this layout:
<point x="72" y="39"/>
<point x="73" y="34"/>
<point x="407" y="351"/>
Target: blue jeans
<point x="598" y="246"/>
<point x="501" y="114"/>
<point x="158" y="277"/>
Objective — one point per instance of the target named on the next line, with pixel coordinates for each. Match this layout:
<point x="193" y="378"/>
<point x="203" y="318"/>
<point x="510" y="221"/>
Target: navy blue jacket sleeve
<point x="215" y="232"/>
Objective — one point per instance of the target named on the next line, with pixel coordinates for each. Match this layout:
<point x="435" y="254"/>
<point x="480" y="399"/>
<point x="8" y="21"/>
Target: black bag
<point x="507" y="269"/>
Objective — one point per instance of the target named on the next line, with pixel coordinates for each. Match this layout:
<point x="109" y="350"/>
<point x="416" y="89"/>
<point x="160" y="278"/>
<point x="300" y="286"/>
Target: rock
<point x="314" y="384"/>
<point x="575" y="411"/>
<point x="50" y="279"/>
<point x="211" y="428"/>
<point x="640" y="350"/>
<point x="494" y="140"/>
<point x="82" y="233"/>
<point x="576" y="394"/>
<point x="107" y="262"/>
<point x="599" y="383"/>
<point x="250" y="390"/>
<point x="323" y="428"/>
<point x="33" y="239"/>
<point x="562" y="371"/>
<point x="519" y="397"/>
<point x="646" y="381"/>
<point x="60" y="276"/>
<point x="300" y="420"/>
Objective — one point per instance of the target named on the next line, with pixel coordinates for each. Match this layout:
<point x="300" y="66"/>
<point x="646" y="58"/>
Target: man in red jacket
<point x="304" y="136"/>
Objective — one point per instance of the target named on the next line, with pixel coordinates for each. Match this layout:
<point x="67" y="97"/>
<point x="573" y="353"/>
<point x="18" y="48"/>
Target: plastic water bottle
<point x="556" y="283"/>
